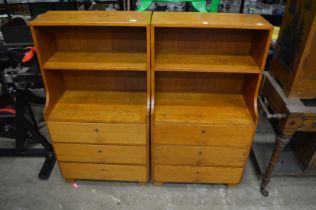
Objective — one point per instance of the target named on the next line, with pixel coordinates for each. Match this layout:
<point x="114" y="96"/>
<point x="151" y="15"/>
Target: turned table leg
<point x="281" y="142"/>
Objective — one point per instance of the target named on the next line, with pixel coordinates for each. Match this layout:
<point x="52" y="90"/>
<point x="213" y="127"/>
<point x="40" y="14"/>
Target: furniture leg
<point x="281" y="142"/>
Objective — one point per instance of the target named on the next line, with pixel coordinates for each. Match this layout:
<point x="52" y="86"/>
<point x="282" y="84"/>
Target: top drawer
<point x="98" y="133"/>
<point x="172" y="134"/>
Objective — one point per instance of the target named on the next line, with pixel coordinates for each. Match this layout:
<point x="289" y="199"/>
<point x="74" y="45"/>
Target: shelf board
<point x="202" y="108"/>
<point x="93" y="18"/>
<point x="97" y="61"/>
<point x="210" y="20"/>
<point x="206" y="63"/>
<point x="100" y="107"/>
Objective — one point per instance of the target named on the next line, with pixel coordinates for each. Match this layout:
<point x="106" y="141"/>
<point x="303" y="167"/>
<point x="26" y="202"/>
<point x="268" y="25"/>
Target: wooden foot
<point x="232" y="185"/>
<point x="281" y="143"/>
<point x="158" y="183"/>
<point x="69" y="180"/>
<point x="142" y="183"/>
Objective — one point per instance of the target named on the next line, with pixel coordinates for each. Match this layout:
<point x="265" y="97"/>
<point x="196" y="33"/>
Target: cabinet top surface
<point x="93" y="18"/>
<point x="210" y="20"/>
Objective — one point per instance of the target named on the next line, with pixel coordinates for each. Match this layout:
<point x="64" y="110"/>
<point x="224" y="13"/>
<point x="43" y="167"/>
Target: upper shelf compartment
<point x="99" y="41"/>
<point x="201" y="42"/>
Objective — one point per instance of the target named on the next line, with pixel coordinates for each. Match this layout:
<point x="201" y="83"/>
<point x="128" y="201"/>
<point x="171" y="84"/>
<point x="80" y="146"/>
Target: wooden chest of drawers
<point x="206" y="70"/>
<point x="98" y="95"/>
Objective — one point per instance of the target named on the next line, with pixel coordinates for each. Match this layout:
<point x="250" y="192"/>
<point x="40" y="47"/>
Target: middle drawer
<point x="110" y="154"/>
<point x="200" y="155"/>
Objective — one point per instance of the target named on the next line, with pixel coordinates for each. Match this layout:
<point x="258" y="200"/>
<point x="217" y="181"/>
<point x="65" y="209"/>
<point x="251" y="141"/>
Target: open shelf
<point x="97" y="61"/>
<point x="93" y="48"/>
<point x="205" y="63"/>
<point x="202" y="108"/>
<point x="100" y="106"/>
<point x="222" y="50"/>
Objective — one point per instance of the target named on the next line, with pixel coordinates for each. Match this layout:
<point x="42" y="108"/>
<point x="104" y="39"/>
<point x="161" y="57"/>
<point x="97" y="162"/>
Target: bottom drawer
<point x="103" y="172"/>
<point x="197" y="174"/>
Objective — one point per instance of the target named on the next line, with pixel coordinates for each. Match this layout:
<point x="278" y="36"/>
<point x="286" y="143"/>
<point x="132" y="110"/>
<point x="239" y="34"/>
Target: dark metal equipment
<point x="19" y="82"/>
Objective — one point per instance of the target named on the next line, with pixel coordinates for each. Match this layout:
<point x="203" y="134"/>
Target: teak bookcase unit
<point x="206" y="70"/>
<point x="96" y="69"/>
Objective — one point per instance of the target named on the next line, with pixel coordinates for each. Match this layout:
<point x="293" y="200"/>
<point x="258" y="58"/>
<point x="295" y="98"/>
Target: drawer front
<point x="103" y="172"/>
<point x="200" y="155"/>
<point x="202" y="135"/>
<point x="90" y="153"/>
<point x="197" y="174"/>
<point x="98" y="133"/>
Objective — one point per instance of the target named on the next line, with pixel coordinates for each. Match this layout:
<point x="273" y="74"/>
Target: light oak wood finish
<point x="208" y="135"/>
<point x="93" y="18"/>
<point x="221" y="156"/>
<point x="96" y="70"/>
<point x="197" y="174"/>
<point x="201" y="108"/>
<point x="206" y="71"/>
<point x="98" y="133"/>
<point x="97" y="61"/>
<point x="205" y="63"/>
<point x="92" y="171"/>
<point x="207" y="20"/>
<point x="100" y="106"/>
<point x="110" y="154"/>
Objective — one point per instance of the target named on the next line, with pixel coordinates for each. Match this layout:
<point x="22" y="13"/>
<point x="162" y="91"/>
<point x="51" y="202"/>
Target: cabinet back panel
<point x="203" y="41"/>
<point x="198" y="82"/>
<point x="105" y="80"/>
<point x="100" y="39"/>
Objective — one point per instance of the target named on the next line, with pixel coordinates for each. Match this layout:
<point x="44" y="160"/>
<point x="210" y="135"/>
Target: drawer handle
<point x="99" y="151"/>
<point x="203" y="131"/>
<point x="96" y="130"/>
<point x="197" y="172"/>
<point x="200" y="153"/>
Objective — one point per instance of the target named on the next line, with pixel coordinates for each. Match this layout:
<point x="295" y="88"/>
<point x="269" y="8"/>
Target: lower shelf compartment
<point x="110" y="154"/>
<point x="90" y="171"/>
<point x="202" y="108"/>
<point x="100" y="106"/>
<point x="188" y="174"/>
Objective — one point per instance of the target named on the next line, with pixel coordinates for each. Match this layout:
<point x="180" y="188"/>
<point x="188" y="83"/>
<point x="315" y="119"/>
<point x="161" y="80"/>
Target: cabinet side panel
<point x="260" y="46"/>
<point x="45" y="46"/>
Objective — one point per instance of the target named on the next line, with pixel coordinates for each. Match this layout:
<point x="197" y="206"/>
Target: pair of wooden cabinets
<point x="134" y="92"/>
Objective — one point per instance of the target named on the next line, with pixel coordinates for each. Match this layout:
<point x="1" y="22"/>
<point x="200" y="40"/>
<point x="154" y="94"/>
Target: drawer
<point x="103" y="172"/>
<point x="202" y="135"/>
<point x="200" y="155"/>
<point x="98" y="133"/>
<point x="91" y="153"/>
<point x="189" y="174"/>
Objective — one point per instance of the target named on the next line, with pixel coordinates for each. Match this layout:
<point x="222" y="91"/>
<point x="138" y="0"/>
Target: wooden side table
<point x="290" y="115"/>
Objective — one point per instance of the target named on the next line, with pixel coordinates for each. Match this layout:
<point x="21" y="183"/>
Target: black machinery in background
<point x="21" y="94"/>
